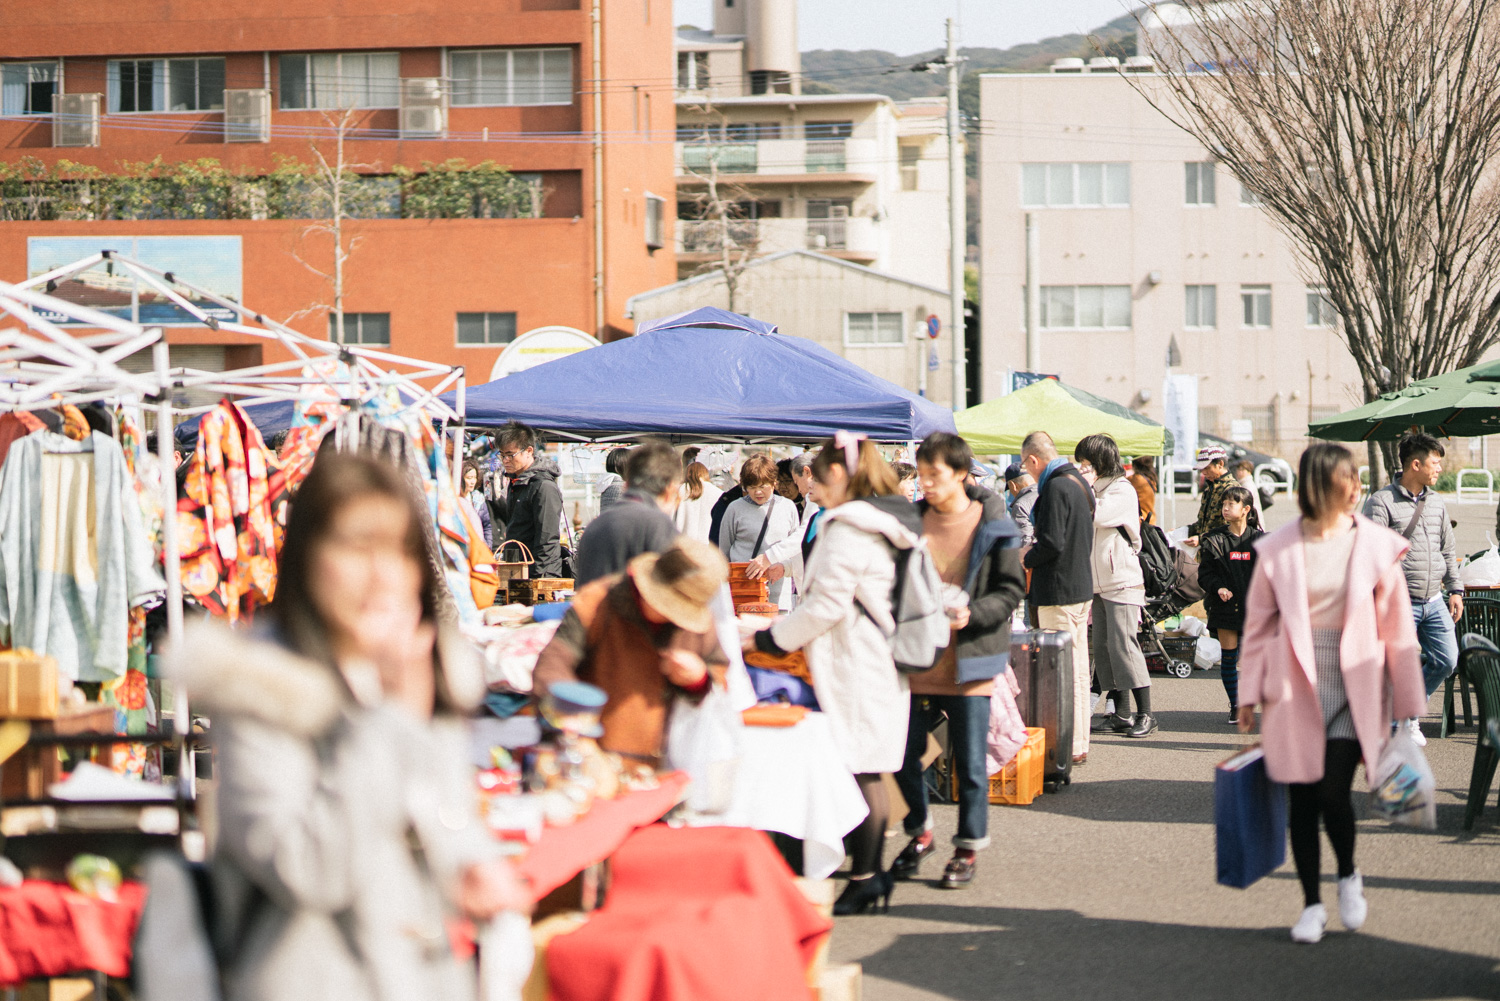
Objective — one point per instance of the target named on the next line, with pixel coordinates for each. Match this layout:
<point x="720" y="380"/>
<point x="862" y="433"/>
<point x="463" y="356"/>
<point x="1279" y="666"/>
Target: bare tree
<point x="336" y="192"/>
<point x="1367" y="129"/>
<point x="733" y="237"/>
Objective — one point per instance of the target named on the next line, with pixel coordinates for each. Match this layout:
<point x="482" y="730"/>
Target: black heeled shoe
<point x="865" y="894"/>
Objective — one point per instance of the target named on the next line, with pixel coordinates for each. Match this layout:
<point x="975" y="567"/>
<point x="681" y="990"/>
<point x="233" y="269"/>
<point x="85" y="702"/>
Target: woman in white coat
<point x="1119" y="588"/>
<point x="842" y="624"/>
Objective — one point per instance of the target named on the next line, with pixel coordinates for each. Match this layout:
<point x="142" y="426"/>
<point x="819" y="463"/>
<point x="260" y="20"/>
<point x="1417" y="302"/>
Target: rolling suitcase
<point x="1043" y="662"/>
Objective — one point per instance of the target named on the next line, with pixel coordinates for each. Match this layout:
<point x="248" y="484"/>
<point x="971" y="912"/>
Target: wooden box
<point x="33" y="769"/>
<point x="28" y="686"/>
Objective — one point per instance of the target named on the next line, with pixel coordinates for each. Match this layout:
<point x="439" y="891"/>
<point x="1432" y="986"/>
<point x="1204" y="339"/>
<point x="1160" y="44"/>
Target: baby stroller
<point x="1171" y="654"/>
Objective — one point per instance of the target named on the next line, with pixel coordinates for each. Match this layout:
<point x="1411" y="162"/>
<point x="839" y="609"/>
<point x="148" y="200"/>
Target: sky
<point x="908" y="26"/>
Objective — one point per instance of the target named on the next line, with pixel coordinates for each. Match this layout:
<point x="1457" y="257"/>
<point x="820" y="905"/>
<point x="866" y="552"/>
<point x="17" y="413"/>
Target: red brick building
<point x="511" y="81"/>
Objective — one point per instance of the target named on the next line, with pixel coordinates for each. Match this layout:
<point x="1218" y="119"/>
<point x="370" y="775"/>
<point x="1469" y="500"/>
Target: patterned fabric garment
<point x="225" y="519"/>
<point x="145" y="470"/>
<point x="75" y="425"/>
<point x="1331" y="694"/>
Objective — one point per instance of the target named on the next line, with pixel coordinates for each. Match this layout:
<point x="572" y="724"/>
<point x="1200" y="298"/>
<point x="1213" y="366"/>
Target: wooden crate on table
<point x="538" y="591"/>
<point x="33" y="769"/>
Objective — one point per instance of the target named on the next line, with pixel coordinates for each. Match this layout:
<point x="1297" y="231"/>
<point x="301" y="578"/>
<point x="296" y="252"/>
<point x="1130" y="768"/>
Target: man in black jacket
<point x="974" y="545"/>
<point x="1062" y="576"/>
<point x="640" y="521"/>
<point x="530" y="505"/>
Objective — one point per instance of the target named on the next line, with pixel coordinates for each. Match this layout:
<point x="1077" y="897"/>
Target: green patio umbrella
<point x="1068" y="413"/>
<point x="1464" y="403"/>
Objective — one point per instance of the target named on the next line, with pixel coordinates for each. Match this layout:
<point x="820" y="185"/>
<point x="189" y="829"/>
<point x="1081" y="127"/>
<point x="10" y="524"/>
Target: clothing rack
<point x="43" y="365"/>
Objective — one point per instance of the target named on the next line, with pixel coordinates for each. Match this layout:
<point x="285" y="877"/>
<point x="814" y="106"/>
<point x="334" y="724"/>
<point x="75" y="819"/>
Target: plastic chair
<point x="1479" y="662"/>
<point x="1481" y="618"/>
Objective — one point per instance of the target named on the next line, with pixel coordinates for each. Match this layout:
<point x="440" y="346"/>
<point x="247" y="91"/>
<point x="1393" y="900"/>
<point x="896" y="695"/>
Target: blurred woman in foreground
<point x="346" y="804"/>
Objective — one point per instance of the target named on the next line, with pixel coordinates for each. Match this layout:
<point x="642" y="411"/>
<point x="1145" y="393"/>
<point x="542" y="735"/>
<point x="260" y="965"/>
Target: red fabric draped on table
<point x="692" y="914"/>
<point x="48" y="929"/>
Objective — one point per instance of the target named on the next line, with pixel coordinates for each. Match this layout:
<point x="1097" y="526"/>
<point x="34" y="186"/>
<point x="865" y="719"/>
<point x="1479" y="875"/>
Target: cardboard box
<point x="28" y="685"/>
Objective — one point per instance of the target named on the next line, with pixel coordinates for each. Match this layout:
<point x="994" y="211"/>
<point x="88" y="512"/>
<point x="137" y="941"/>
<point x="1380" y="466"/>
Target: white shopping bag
<point x="704" y="740"/>
<point x="1403" y="789"/>
<point x="1207" y="652"/>
<point x="1483" y="571"/>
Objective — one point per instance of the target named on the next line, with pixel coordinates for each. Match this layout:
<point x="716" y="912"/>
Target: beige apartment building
<point x="1153" y="261"/>
<point x="858" y="177"/>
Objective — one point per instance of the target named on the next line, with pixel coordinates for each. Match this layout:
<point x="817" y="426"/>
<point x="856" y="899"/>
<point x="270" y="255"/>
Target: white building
<point x="854" y="176"/>
<point x="876" y="320"/>
<point x="1152" y="259"/>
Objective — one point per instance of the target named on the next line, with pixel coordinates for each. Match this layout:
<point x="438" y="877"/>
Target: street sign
<point x="932" y="361"/>
<point x="934" y="326"/>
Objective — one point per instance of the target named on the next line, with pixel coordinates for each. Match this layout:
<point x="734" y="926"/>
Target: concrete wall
<point x="1100" y="118"/>
<point x="808" y="297"/>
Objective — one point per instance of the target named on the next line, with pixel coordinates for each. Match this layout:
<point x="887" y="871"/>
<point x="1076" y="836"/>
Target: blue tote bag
<point x="1249" y="819"/>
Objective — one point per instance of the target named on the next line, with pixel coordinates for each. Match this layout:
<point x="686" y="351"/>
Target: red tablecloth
<point x="49" y="929"/>
<point x="564" y="852"/>
<point x="692" y="914"/>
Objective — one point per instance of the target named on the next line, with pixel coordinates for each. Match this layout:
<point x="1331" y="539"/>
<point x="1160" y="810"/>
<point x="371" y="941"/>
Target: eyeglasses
<point x="511" y="456"/>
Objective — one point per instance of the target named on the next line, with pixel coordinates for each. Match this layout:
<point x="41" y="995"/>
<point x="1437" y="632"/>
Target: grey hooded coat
<point x="343" y="827"/>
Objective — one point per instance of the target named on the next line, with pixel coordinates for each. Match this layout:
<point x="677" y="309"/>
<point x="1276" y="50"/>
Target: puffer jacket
<point x="1431" y="564"/>
<point x="344" y="824"/>
<point x="1115" y="559"/>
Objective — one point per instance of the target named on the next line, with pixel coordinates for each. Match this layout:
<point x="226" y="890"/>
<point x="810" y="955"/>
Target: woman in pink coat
<point x="1330" y="656"/>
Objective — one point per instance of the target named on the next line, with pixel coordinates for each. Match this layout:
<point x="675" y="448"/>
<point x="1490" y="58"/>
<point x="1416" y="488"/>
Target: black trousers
<point x="1328" y="798"/>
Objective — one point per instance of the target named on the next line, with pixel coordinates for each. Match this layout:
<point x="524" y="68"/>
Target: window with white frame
<point x="692" y="70"/>
<point x="362" y="328"/>
<point x="1320" y="311"/>
<point x="1248" y="198"/>
<point x="486" y="328"/>
<point x="165" y="84"/>
<point x="1202" y="307"/>
<point x="340" y="80"/>
<point x="1075" y="185"/>
<point x="27" y="88"/>
<point x="1199" y="183"/>
<point x="1086" y="307"/>
<point x="500" y="77"/>
<point x="656" y="208"/>
<point x="1255" y="302"/>
<point x="874" y="328"/>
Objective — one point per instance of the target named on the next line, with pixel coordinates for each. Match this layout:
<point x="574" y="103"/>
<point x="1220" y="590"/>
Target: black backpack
<point x="1158" y="564"/>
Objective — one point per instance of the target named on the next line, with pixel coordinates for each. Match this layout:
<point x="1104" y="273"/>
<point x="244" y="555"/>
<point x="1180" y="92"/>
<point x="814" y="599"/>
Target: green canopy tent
<point x="1465" y="403"/>
<point x="1066" y="413"/>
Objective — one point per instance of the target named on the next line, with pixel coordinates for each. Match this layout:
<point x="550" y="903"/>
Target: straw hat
<point x="681" y="581"/>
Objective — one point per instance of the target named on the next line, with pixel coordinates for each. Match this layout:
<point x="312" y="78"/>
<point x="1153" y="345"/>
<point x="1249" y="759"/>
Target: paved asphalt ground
<point x="1106" y="890"/>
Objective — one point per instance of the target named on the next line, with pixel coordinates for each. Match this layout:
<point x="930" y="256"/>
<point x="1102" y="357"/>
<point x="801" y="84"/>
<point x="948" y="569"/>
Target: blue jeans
<point x="1439" y="641"/>
<point x="968" y="731"/>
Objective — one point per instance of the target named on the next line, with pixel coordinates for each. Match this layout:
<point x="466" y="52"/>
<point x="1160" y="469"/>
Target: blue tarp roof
<point x="269" y="418"/>
<point x="708" y="316"/>
<point x="706" y="384"/>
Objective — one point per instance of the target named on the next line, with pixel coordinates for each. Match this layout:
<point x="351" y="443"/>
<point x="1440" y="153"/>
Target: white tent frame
<point x="43" y="365"/>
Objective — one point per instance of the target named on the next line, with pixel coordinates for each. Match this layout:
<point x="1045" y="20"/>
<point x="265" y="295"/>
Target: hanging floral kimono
<point x="225" y="518"/>
<point x="312" y="419"/>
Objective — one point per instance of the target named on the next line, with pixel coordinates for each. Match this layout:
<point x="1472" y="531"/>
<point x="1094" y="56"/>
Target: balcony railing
<point x="731" y="158"/>
<point x="707" y="236"/>
<point x="827" y="234"/>
<point x="825" y="156"/>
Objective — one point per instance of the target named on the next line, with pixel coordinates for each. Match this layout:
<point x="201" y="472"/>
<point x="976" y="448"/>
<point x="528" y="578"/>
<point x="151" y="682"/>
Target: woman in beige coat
<point x="347" y="826"/>
<point x="842" y="624"/>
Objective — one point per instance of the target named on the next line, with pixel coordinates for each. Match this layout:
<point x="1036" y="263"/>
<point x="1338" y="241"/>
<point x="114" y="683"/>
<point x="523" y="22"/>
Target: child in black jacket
<point x="1225" y="563"/>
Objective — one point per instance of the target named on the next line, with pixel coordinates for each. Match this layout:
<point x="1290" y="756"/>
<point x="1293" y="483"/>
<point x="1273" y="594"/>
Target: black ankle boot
<point x="865" y="894"/>
<point x="912" y="856"/>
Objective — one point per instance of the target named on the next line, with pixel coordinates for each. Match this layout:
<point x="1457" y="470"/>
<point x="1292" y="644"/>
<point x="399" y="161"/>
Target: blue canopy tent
<point x="708" y="316"/>
<point x="268" y="418"/>
<point x="724" y="382"/>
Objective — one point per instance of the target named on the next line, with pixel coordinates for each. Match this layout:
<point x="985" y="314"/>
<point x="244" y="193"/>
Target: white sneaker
<point x="1414" y="728"/>
<point x="1309" y="927"/>
<point x="1352" y="905"/>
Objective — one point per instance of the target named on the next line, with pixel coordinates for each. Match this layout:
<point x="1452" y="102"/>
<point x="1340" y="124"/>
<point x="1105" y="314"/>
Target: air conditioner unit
<point x="247" y="116"/>
<point x="75" y="120"/>
<point x="424" y="108"/>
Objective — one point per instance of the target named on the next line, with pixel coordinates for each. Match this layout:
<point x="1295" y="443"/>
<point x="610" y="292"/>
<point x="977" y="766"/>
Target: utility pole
<point x="1033" y="294"/>
<point x="958" y="231"/>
